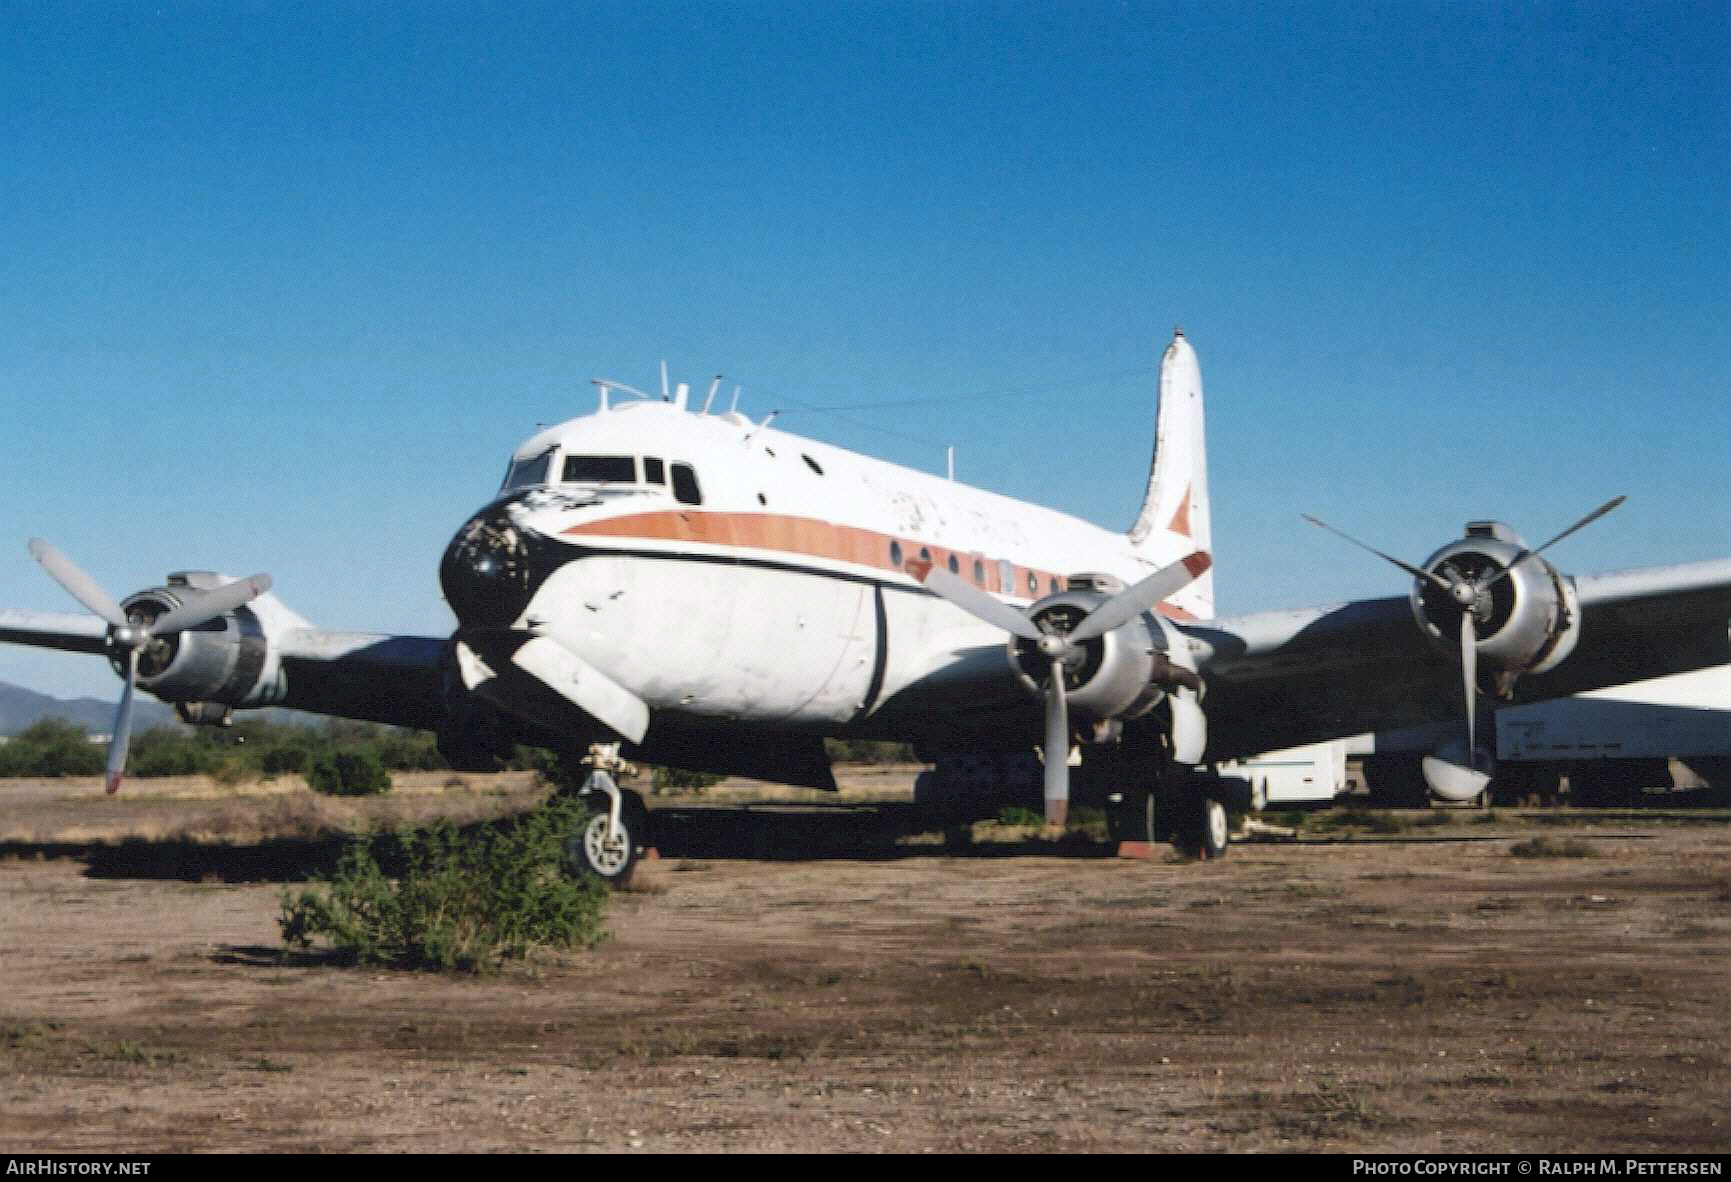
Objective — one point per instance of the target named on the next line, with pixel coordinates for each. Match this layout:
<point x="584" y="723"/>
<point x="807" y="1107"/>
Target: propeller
<point x="131" y="634"/>
<point x="1063" y="647"/>
<point x="1472" y="596"/>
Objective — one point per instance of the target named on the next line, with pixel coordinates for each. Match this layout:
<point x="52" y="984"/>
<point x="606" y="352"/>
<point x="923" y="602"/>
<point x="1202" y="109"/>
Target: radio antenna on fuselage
<point x="606" y="386"/>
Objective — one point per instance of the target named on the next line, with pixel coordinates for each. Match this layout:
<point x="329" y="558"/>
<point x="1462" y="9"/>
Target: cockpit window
<point x="685" y="489"/>
<point x="523" y="473"/>
<point x="599" y="470"/>
<point x="654" y="471"/>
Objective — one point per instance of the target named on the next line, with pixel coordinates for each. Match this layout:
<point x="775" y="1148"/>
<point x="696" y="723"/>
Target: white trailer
<point x="1613" y="745"/>
<point x="1314" y="774"/>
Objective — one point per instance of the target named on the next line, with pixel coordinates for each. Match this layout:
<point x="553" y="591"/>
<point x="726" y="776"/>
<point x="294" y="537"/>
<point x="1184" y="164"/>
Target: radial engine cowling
<point x="1121" y="674"/>
<point x="1527" y="620"/>
<point x="225" y="661"/>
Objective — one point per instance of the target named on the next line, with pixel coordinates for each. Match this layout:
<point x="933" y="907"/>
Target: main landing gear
<point x="609" y="844"/>
<point x="1182" y="812"/>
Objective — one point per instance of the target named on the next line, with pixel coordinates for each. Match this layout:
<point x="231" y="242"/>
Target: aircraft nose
<point x="487" y="573"/>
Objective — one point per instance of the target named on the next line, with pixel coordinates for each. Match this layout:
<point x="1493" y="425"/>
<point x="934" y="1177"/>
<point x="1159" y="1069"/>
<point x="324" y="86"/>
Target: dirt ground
<point x="798" y="977"/>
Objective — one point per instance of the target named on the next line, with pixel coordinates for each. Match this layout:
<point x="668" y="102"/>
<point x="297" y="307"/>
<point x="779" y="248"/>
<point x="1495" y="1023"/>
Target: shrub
<point x="463" y="901"/>
<point x="677" y="779"/>
<point x="1551" y="847"/>
<point x="52" y="747"/>
<point x="285" y="759"/>
<point x="869" y="751"/>
<point x="349" y="773"/>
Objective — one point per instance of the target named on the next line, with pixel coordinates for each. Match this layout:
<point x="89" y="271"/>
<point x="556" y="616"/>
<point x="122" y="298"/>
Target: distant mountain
<point x="21" y="708"/>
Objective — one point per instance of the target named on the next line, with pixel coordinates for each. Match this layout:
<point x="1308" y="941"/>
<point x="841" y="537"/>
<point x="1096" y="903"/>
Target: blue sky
<point x="280" y="285"/>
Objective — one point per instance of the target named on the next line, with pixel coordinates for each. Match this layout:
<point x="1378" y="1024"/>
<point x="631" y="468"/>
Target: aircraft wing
<point x="379" y="678"/>
<point x="68" y="631"/>
<point x="376" y="677"/>
<point x="1282" y="679"/>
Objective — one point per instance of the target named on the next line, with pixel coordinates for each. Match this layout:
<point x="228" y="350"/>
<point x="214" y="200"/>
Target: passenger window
<point x="1033" y="583"/>
<point x="896" y="555"/>
<point x="1006" y="577"/>
<point x="654" y="471"/>
<point x="979" y="573"/>
<point x="955" y="567"/>
<point x="685" y="489"/>
<point x="600" y="470"/>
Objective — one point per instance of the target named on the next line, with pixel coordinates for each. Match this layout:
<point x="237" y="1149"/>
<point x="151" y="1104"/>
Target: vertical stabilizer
<point x="1174" y="517"/>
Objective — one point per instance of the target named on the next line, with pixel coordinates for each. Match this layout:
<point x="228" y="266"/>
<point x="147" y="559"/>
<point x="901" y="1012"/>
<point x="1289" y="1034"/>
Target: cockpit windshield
<point x="552" y="466"/>
<point x="599" y="470"/>
<point x="524" y="473"/>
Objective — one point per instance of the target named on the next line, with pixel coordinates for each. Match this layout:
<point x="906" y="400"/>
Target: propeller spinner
<point x="130" y="635"/>
<point x="1060" y="643"/>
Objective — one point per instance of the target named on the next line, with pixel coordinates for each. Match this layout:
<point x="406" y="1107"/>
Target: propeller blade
<point x="122" y="737"/>
<point x="1417" y="572"/>
<point x="199" y="607"/>
<point x="1056" y="780"/>
<point x="1581" y="524"/>
<point x="1584" y="522"/>
<point x="1470" y="677"/>
<point x="1133" y="601"/>
<point x="978" y="604"/>
<point x="79" y="585"/>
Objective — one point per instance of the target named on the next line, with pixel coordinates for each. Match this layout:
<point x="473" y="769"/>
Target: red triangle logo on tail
<point x="1181" y="520"/>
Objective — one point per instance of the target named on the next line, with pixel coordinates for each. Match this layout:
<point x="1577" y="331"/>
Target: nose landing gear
<point x="611" y="843"/>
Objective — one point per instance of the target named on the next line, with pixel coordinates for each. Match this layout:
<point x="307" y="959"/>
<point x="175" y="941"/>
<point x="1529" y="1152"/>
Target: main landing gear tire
<point x="1205" y="832"/>
<point x="611" y="858"/>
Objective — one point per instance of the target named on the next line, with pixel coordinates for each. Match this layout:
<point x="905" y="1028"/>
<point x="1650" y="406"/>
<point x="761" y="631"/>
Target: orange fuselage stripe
<point x="827" y="540"/>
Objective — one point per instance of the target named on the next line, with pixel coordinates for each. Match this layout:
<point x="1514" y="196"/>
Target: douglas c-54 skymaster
<point x="718" y="595"/>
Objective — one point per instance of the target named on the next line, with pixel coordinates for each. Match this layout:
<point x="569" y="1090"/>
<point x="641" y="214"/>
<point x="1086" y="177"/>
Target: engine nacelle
<point x="226" y="662"/>
<point x="1527" y="621"/>
<point x="1122" y="674"/>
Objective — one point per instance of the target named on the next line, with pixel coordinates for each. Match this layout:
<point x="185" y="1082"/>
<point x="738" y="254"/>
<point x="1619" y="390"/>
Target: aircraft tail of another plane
<point x="1175" y="519"/>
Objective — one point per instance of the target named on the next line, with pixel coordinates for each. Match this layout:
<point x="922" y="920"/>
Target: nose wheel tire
<point x="610" y="852"/>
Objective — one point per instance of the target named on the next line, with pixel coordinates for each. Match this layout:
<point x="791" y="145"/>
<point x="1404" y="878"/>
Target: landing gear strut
<point x="612" y="841"/>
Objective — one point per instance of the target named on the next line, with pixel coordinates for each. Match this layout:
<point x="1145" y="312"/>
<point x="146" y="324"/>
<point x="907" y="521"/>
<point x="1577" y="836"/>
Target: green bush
<point x="677" y="779"/>
<point x="462" y="901"/>
<point x="349" y="773"/>
<point x="869" y="751"/>
<point x="285" y="759"/>
<point x="52" y="747"/>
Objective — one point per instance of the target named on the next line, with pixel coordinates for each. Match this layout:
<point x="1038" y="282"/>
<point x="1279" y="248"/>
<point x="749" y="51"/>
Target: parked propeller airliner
<point x="716" y="594"/>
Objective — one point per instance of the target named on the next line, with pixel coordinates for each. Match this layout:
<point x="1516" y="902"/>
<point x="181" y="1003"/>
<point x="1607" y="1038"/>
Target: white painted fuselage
<point x="746" y="574"/>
